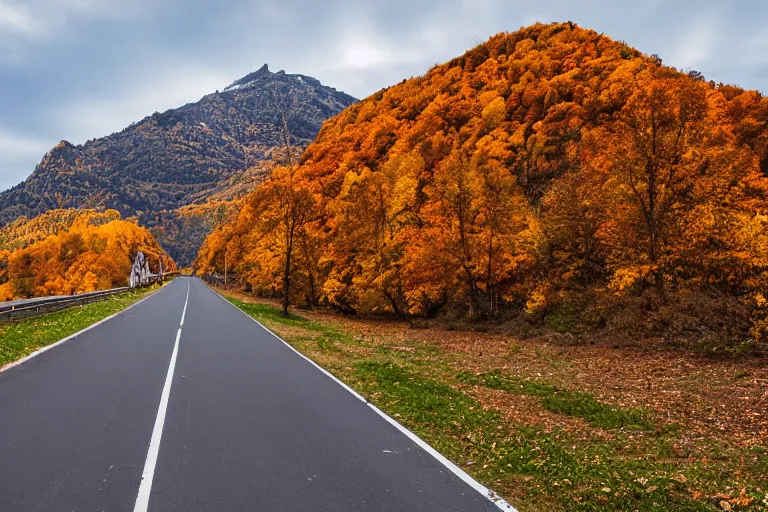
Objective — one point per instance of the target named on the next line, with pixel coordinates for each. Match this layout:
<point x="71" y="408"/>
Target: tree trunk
<point x="393" y="302"/>
<point x="489" y="277"/>
<point x="287" y="274"/>
<point x="466" y="258"/>
<point x="658" y="273"/>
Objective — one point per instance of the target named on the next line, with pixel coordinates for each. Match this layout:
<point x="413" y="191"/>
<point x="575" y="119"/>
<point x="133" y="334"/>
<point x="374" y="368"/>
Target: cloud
<point x="17" y="152"/>
<point x="112" y="109"/>
<point x="78" y="69"/>
<point x="696" y="43"/>
<point x="16" y="145"/>
<point x="16" y="20"/>
<point x="754" y="54"/>
<point x="27" y="24"/>
<point x="361" y="54"/>
<point x="364" y="49"/>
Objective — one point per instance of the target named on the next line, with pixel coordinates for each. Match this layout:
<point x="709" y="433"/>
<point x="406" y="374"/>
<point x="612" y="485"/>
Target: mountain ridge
<point x="174" y="158"/>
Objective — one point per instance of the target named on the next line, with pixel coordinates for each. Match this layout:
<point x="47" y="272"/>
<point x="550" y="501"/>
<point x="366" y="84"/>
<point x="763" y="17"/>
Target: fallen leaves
<point x="703" y="409"/>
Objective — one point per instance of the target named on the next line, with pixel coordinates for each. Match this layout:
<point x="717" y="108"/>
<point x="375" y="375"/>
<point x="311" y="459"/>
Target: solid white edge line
<point x="148" y="474"/>
<point x="73" y="336"/>
<point x="483" y="490"/>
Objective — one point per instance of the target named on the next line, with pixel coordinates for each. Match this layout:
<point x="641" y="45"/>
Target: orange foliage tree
<point x="542" y="165"/>
<point x="93" y="253"/>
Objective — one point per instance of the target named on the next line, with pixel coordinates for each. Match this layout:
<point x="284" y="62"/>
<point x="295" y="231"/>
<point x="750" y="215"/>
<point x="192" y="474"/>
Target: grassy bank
<point x="21" y="338"/>
<point x="551" y="427"/>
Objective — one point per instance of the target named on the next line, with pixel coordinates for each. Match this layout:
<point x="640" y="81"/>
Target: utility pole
<point x="225" y="269"/>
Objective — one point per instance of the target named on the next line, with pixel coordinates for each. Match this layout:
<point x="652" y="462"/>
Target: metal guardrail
<point x="39" y="306"/>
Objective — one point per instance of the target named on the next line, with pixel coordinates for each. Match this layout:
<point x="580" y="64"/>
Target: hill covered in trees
<point x="185" y="228"/>
<point x="551" y="173"/>
<point x="23" y="232"/>
<point x="62" y="252"/>
<point x="181" y="156"/>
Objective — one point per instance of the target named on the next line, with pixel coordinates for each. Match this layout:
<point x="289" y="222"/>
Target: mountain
<point x="552" y="173"/>
<point x="180" y="156"/>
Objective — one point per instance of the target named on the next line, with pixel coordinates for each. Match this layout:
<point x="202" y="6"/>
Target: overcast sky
<point x="81" y="69"/>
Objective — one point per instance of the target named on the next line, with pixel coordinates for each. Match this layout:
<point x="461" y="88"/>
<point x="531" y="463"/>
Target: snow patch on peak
<point x="249" y="79"/>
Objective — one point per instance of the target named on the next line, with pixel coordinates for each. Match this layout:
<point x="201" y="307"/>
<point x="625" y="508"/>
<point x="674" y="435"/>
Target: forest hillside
<point x="62" y="252"/>
<point x="552" y="174"/>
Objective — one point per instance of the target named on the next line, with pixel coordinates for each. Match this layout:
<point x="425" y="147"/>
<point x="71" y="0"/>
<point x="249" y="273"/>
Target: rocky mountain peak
<point x="179" y="157"/>
<point x="250" y="78"/>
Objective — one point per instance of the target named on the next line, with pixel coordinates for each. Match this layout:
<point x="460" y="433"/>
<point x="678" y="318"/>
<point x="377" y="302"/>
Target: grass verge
<point x="564" y="401"/>
<point x="596" y="456"/>
<point x="21" y="338"/>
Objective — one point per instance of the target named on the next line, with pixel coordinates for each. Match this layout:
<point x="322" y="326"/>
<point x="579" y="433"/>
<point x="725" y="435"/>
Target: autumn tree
<point x="374" y="212"/>
<point x="284" y="207"/>
<point x="543" y="167"/>
<point x="474" y="211"/>
<point x="453" y="210"/>
<point x="92" y="253"/>
<point x="5" y="292"/>
<point x="502" y="221"/>
<point x="655" y="156"/>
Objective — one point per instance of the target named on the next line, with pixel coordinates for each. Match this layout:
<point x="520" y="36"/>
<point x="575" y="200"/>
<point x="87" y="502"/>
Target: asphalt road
<point x="223" y="417"/>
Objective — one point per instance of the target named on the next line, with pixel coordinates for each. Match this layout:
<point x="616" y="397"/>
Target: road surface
<point x="140" y="413"/>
